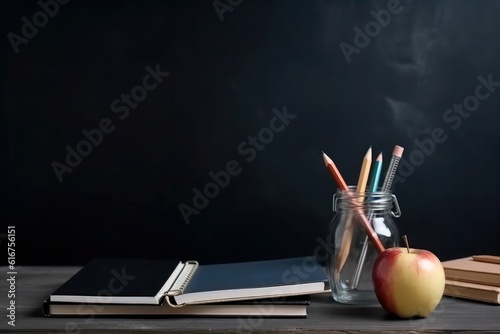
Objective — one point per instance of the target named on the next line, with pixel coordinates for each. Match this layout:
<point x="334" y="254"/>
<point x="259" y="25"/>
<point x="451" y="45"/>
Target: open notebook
<point x="178" y="283"/>
<point x="294" y="306"/>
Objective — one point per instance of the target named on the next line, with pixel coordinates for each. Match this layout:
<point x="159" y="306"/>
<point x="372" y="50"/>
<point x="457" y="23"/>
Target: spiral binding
<point x="181" y="282"/>
<point x="184" y="277"/>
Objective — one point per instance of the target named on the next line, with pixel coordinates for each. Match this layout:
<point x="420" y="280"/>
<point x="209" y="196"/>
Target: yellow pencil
<point x="360" y="188"/>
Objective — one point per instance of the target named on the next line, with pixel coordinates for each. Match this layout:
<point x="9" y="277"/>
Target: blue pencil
<point x="375" y="176"/>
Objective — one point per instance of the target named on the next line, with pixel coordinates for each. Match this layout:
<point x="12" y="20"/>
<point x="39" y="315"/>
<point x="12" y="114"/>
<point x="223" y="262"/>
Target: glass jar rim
<point x="371" y="200"/>
<point x="352" y="190"/>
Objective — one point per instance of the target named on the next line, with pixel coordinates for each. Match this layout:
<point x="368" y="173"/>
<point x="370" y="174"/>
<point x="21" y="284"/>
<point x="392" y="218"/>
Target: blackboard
<point x="182" y="90"/>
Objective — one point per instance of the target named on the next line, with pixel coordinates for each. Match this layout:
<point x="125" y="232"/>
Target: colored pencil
<point x="335" y="172"/>
<point x="375" y="175"/>
<point x="345" y="245"/>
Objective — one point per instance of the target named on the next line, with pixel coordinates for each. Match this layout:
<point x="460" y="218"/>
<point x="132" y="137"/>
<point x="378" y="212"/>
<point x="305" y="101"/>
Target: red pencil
<point x="343" y="185"/>
<point x="335" y="172"/>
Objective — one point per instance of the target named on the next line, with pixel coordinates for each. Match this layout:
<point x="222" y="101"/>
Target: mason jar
<point x="350" y="266"/>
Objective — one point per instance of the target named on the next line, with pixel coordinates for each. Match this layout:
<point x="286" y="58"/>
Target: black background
<point x="226" y="77"/>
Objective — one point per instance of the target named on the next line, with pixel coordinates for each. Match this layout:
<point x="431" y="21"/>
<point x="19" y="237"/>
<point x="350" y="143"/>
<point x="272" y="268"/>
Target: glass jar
<point x="350" y="265"/>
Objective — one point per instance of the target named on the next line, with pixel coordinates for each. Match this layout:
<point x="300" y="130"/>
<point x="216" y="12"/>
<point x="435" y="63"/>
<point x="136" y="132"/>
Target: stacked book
<point x="150" y="287"/>
<point x="476" y="278"/>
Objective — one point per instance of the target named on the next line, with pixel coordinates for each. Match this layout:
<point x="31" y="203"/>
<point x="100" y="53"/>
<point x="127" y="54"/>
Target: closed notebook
<point x="473" y="291"/>
<point x="139" y="281"/>
<point x="474" y="269"/>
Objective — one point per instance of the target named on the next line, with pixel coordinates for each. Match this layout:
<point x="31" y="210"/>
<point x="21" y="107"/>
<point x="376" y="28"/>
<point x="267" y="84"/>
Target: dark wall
<point x="226" y="81"/>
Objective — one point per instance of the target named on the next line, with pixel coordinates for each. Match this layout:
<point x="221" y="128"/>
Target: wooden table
<point x="34" y="284"/>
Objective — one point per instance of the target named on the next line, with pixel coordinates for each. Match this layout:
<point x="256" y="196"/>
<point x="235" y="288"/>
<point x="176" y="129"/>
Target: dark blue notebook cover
<point x="256" y="274"/>
<point x="104" y="277"/>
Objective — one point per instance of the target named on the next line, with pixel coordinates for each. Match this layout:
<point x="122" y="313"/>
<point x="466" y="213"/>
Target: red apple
<point x="408" y="282"/>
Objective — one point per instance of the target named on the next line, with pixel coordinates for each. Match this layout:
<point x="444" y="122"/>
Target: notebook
<point x="480" y="269"/>
<point x="473" y="291"/>
<point x="178" y="283"/>
<point x="123" y="281"/>
<point x="295" y="307"/>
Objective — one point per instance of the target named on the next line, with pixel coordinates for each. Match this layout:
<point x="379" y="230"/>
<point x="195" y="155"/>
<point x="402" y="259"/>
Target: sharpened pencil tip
<point x="368" y="154"/>
<point x="379" y="158"/>
<point x="326" y="159"/>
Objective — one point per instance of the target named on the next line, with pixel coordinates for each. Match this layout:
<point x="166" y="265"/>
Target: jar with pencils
<point x="363" y="226"/>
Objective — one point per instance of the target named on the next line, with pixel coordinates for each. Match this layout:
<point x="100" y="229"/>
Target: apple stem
<point x="405" y="238"/>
